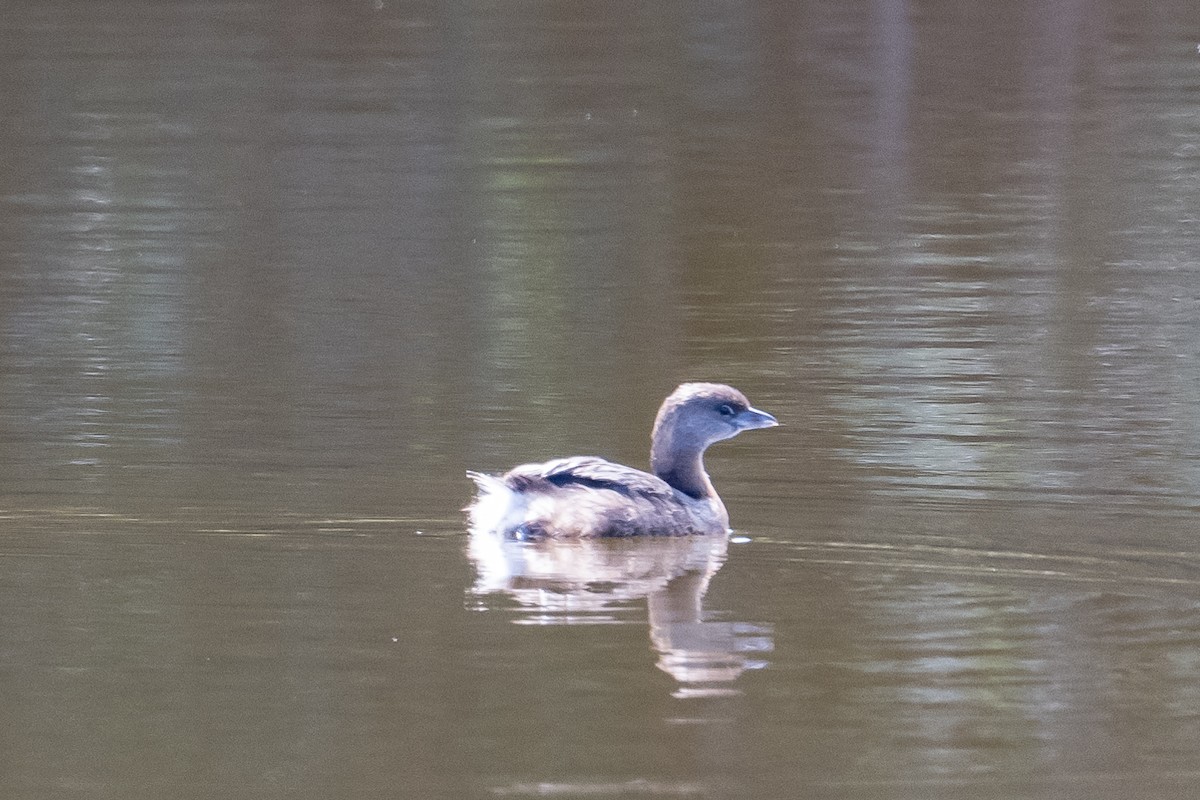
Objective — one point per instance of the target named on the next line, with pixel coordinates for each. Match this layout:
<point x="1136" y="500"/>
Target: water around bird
<point x="272" y="279"/>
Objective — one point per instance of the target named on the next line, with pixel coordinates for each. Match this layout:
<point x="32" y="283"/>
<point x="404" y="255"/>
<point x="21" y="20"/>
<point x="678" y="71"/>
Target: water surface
<point x="272" y="277"/>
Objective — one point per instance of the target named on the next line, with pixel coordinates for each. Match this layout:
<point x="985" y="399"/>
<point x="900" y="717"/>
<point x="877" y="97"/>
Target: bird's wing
<point x="588" y="471"/>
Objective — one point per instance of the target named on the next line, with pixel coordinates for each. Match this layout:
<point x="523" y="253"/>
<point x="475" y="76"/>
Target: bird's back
<point x="588" y="497"/>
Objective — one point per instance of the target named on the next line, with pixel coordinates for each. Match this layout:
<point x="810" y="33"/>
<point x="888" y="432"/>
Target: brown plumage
<point x="586" y="496"/>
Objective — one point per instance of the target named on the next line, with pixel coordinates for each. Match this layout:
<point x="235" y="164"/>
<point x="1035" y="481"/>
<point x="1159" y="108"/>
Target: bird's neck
<point x="681" y="467"/>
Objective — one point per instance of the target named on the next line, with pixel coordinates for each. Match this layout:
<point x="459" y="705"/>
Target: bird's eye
<point x="725" y="410"/>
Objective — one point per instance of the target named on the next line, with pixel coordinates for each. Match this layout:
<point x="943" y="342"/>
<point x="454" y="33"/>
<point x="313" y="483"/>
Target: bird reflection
<point x="592" y="581"/>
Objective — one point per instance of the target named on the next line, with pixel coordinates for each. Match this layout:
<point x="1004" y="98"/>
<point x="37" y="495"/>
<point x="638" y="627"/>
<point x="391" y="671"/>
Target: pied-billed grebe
<point x="587" y="496"/>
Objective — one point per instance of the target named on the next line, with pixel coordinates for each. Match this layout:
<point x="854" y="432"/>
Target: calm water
<point x="273" y="275"/>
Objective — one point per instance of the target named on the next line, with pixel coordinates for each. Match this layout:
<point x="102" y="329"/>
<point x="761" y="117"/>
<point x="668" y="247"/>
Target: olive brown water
<point x="274" y="275"/>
